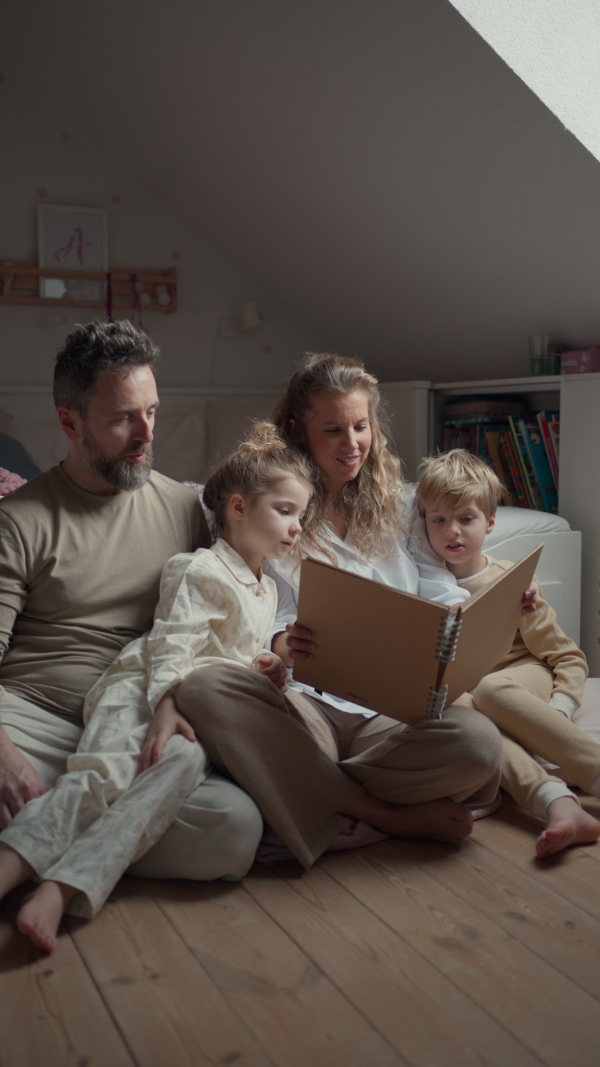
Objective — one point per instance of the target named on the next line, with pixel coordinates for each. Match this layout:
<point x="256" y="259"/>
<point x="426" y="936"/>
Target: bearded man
<point x="82" y="548"/>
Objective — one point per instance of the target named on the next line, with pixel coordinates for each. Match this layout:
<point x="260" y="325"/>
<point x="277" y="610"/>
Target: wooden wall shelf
<point x="20" y="283"/>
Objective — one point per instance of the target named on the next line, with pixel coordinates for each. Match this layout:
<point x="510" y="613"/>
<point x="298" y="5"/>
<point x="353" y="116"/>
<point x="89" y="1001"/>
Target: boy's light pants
<point x="516" y="700"/>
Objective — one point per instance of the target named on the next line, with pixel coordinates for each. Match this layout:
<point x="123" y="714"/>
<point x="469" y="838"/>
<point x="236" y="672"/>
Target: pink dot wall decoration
<point x="42" y="192"/>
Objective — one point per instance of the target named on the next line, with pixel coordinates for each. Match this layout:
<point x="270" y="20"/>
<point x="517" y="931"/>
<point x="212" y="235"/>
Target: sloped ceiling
<point x="554" y="46"/>
<point x="374" y="161"/>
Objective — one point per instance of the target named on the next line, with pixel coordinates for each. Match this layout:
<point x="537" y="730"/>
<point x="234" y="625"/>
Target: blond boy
<point x="532" y="692"/>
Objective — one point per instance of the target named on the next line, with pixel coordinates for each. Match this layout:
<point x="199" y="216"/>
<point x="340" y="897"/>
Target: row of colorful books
<point x="522" y="448"/>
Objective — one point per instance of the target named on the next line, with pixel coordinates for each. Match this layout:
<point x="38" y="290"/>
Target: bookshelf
<point x="535" y="393"/>
<point x="528" y="395"/>
<point x="415" y="408"/>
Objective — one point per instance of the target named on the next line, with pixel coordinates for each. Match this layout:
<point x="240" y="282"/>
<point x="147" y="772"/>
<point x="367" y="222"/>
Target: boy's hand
<point x="167" y="721"/>
<point x="273" y="668"/>
<point x="529" y="601"/>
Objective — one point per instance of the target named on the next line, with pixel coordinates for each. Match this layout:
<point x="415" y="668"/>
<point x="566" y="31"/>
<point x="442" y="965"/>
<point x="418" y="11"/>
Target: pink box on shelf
<point x="584" y="361"/>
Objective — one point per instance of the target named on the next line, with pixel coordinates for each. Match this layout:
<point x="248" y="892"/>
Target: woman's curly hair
<point x="370" y="502"/>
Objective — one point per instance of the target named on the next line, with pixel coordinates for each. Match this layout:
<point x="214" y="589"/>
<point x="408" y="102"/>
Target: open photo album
<point x="397" y="653"/>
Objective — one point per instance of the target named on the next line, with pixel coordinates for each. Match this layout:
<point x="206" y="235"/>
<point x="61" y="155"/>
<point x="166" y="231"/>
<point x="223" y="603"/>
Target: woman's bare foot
<point x="484" y="810"/>
<point x="40" y="915"/>
<point x="437" y="820"/>
<point x="567" y="824"/>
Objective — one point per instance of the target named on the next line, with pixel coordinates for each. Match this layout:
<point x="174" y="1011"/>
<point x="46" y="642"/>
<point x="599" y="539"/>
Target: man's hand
<point x="167" y="721"/>
<point x="273" y="668"/>
<point x="19" y="781"/>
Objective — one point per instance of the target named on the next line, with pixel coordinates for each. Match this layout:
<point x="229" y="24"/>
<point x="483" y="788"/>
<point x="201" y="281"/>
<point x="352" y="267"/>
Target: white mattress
<point x="513" y="522"/>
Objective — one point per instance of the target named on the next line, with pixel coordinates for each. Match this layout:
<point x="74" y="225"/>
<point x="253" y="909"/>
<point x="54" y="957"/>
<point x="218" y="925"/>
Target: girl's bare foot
<point x="567" y="824"/>
<point x="437" y="820"/>
<point x="13" y="870"/>
<point x="40" y="915"/>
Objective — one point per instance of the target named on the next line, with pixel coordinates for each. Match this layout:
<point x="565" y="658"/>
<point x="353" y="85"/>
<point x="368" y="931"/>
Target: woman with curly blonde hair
<point x="308" y="758"/>
<point x="362" y="498"/>
<point x="363" y="517"/>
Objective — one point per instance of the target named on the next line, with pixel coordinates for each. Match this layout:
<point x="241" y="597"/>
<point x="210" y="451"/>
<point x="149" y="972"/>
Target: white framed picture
<point x="75" y="238"/>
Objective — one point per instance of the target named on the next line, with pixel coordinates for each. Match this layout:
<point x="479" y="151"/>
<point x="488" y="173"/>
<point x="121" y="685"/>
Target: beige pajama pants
<point x="304" y="762"/>
<point x="215" y="832"/>
<point x="100" y="817"/>
<point x="516" y="699"/>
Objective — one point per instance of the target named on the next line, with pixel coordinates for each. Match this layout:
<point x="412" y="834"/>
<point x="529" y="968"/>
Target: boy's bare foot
<point x="567" y="824"/>
<point x="40" y="915"/>
<point x="437" y="820"/>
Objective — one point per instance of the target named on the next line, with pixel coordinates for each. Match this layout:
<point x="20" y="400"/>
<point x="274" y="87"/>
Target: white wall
<point x="385" y="173"/>
<point x="40" y="153"/>
<point x="554" y="46"/>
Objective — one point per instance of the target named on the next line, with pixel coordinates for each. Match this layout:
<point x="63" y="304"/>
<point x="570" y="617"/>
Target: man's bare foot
<point x="40" y="915"/>
<point x="567" y="824"/>
<point x="437" y="820"/>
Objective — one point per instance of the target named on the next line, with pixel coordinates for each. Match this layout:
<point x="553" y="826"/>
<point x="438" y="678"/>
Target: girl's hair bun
<point x="258" y="462"/>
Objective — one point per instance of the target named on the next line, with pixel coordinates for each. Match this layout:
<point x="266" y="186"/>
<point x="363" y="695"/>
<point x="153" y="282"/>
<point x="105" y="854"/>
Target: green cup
<point x="549" y="364"/>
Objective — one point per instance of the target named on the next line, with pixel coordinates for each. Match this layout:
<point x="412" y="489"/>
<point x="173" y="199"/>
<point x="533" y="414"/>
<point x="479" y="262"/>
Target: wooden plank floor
<point x="404" y="953"/>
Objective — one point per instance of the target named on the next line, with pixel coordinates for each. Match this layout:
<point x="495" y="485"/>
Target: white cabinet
<point x="407" y="404"/>
<point x="579" y="497"/>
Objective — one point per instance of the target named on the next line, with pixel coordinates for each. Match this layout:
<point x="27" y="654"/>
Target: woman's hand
<point x="295" y="642"/>
<point x="529" y="601"/>
<point x="273" y="668"/>
<point x="167" y="721"/>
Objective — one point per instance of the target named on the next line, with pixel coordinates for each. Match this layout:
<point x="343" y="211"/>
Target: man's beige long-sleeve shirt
<point x="79" y="579"/>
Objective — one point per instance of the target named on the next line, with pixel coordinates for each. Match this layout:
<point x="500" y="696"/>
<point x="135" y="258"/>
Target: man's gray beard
<point x="118" y="473"/>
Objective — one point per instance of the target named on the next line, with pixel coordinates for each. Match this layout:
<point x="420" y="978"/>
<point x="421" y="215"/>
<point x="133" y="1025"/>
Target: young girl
<point x="138" y="757"/>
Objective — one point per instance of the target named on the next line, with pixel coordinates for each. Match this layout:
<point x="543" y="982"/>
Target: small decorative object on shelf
<point x="582" y="361"/>
<point x="129" y="287"/>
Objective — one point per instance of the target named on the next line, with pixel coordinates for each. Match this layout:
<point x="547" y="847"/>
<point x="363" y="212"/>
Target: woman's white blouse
<point x="413" y="567"/>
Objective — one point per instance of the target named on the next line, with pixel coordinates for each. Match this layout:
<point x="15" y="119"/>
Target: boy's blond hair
<point x="458" y="478"/>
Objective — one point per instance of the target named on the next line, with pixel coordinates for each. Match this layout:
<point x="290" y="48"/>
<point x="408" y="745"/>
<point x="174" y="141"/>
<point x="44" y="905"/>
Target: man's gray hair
<point x="94" y="349"/>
